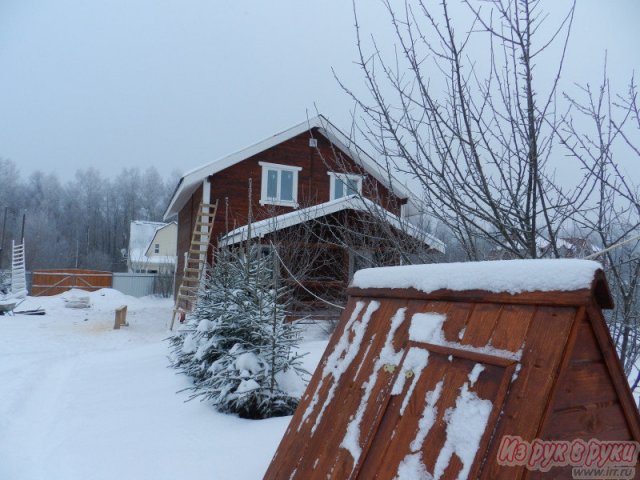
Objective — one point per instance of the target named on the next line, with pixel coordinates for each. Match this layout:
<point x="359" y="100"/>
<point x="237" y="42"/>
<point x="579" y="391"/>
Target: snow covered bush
<point x="5" y="282"/>
<point x="237" y="345"/>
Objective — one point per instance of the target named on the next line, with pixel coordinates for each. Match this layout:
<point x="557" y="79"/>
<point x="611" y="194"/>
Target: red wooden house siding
<point x="230" y="186"/>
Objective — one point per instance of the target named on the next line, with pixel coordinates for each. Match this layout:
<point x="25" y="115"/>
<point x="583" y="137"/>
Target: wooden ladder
<point x="18" y="275"/>
<point x="195" y="259"/>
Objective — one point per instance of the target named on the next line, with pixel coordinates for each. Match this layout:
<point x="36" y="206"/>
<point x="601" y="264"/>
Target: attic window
<point x="343" y="184"/>
<point x="156" y="248"/>
<point x="279" y="184"/>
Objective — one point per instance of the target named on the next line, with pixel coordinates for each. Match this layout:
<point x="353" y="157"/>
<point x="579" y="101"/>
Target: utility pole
<point x="24" y="218"/>
<point x="249" y="220"/>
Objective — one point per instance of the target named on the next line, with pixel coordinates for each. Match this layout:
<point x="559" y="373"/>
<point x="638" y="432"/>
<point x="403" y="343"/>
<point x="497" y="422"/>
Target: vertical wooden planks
<point x="458" y="315"/>
<point x="290" y="451"/>
<point x="546" y="370"/>
<point x="481" y="324"/>
<point x="512" y="326"/>
<point x="413" y="433"/>
<point x="611" y="360"/>
<point x="527" y="399"/>
<point x="330" y="406"/>
<point x="585" y="403"/>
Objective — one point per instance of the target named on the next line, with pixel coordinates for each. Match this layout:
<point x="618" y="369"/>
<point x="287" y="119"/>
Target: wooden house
<point x="460" y="371"/>
<point x="310" y="172"/>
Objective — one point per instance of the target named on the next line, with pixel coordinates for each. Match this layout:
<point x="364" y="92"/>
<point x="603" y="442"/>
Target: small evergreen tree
<point x="203" y="338"/>
<point x="237" y="345"/>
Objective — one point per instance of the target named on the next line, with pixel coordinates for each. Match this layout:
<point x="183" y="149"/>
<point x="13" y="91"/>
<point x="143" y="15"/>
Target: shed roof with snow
<point x="431" y="367"/>
<point x="350" y="202"/>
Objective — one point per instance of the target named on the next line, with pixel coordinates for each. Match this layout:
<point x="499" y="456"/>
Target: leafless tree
<point x="381" y="226"/>
<point x="601" y="132"/>
<point x="482" y="150"/>
<point x="308" y="266"/>
<point x="466" y="111"/>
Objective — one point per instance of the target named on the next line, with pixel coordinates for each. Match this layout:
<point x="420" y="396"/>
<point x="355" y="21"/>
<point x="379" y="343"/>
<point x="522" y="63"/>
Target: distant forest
<point x="83" y="222"/>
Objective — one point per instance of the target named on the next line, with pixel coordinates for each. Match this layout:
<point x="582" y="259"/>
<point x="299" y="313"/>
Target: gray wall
<point x="143" y="284"/>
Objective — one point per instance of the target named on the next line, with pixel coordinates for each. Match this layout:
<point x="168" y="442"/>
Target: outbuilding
<point x="489" y="370"/>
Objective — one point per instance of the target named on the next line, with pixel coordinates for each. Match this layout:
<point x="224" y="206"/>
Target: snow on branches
<point x="236" y="344"/>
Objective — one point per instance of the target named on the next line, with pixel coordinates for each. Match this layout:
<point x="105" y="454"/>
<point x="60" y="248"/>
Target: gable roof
<point x="155" y="234"/>
<point x="141" y="234"/>
<point x="433" y="367"/>
<point x="351" y="202"/>
<point x="191" y="180"/>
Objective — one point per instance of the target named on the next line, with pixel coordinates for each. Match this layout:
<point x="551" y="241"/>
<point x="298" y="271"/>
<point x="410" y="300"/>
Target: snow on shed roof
<point x="352" y="202"/>
<point x="509" y="276"/>
<point x="191" y="180"/>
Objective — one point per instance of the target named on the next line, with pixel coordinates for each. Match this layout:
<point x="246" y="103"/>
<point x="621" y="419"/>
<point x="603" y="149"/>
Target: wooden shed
<point x="434" y="369"/>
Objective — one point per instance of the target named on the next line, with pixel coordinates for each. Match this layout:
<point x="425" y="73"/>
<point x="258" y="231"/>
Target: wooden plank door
<point x="346" y="397"/>
<point x="440" y="416"/>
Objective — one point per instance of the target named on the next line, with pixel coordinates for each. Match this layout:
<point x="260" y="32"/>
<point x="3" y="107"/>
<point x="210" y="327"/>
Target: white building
<point x="152" y="247"/>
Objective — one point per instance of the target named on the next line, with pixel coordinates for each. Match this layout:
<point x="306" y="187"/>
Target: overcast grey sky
<point x="177" y="84"/>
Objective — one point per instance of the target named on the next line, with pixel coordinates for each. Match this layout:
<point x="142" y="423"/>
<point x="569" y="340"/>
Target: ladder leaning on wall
<point x="195" y="259"/>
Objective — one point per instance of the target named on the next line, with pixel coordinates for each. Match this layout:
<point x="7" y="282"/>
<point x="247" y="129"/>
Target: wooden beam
<point x="567" y="299"/>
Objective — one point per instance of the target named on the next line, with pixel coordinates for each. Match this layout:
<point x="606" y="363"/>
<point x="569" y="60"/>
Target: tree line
<point x="82" y="222"/>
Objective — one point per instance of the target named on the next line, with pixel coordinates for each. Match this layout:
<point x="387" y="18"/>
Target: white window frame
<point x="264" y="200"/>
<point x="340" y="176"/>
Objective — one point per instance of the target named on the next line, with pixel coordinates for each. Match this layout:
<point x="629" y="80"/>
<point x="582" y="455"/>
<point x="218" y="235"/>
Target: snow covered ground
<point x="79" y="400"/>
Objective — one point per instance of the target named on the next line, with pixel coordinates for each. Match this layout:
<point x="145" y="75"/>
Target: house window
<point x="343" y="184"/>
<point x="279" y="184"/>
<point x="156" y="248"/>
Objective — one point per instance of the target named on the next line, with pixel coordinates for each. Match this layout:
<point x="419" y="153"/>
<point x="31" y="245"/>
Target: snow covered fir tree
<point x="237" y="345"/>
<point x="204" y="336"/>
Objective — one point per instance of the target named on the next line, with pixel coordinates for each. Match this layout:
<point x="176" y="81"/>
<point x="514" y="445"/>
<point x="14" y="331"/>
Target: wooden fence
<point x="53" y="282"/>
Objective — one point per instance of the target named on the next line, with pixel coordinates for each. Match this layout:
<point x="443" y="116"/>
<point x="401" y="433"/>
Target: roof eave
<point x="264" y="227"/>
<point x="168" y="213"/>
